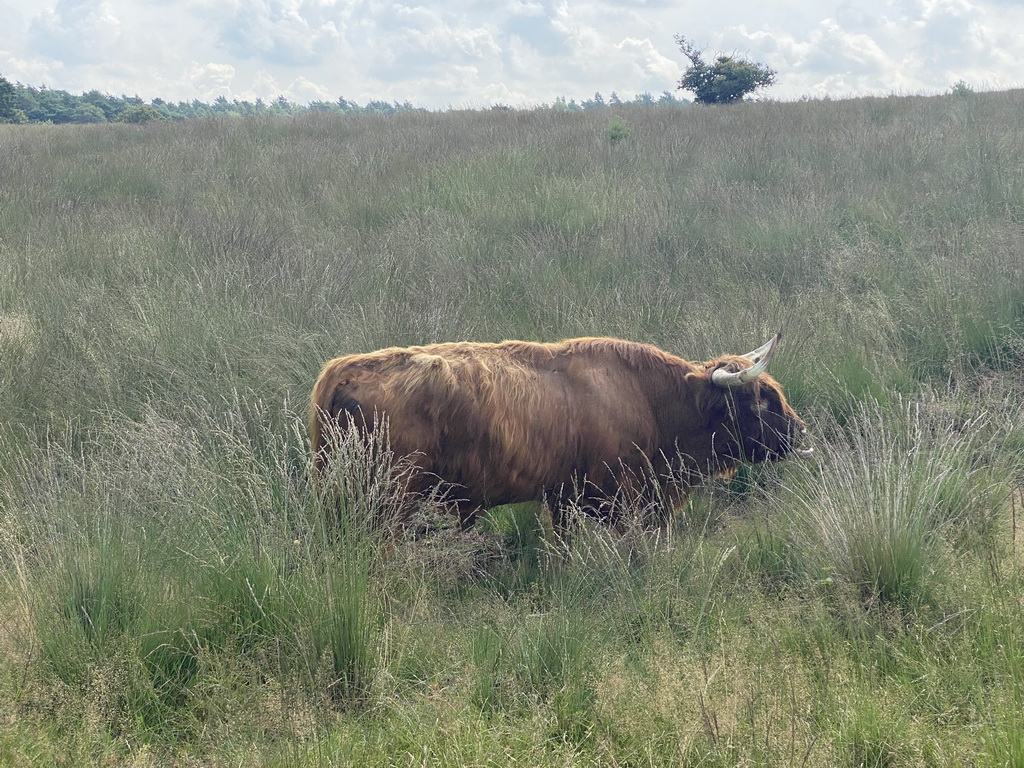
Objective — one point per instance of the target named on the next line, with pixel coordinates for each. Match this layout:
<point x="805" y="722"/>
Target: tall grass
<point x="892" y="494"/>
<point x="175" y="588"/>
<point x="214" y="546"/>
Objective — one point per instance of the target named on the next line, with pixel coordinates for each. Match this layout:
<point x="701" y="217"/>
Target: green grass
<point x="175" y="590"/>
<point x="892" y="494"/>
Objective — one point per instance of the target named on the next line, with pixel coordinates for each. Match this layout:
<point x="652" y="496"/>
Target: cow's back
<point x="508" y="422"/>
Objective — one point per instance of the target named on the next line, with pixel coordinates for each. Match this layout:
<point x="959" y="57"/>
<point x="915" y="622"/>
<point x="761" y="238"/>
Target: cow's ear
<point x="707" y="397"/>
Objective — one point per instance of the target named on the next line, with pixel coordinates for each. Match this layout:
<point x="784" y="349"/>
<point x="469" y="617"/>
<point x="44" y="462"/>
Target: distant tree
<point x="107" y="104"/>
<point x="617" y="130"/>
<point x="281" y="106"/>
<point x="961" y="88"/>
<point x="139" y="113"/>
<point x="87" y="113"/>
<point x="561" y="105"/>
<point x="8" y="101"/>
<point x="348" y="106"/>
<point x="46" y="106"/>
<point x="726" y="81"/>
<point x="165" y="110"/>
<point x="198" y="108"/>
<point x="382" y="107"/>
<point x="25" y="101"/>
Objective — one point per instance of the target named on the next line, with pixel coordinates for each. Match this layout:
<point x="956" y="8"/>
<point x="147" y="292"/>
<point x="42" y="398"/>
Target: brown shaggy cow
<point x="586" y="419"/>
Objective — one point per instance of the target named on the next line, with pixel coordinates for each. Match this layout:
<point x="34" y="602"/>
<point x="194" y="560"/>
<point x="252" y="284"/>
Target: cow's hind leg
<point x="558" y="519"/>
<point x="468" y="514"/>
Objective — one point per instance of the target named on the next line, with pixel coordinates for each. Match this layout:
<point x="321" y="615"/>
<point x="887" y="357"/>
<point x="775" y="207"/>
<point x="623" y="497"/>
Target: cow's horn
<point x="764" y="349"/>
<point x="760" y="358"/>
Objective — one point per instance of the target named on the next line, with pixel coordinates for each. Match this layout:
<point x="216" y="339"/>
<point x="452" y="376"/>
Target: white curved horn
<point x="760" y="358"/>
<point x="764" y="349"/>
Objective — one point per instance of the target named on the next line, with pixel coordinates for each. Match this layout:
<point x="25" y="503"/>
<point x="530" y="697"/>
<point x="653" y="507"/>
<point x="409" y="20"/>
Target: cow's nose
<point x="803" y="453"/>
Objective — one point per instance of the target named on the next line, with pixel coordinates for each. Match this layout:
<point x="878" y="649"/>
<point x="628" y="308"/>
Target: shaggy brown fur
<point x="520" y="421"/>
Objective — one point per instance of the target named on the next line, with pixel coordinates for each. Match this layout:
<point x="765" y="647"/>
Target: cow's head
<point x="751" y="409"/>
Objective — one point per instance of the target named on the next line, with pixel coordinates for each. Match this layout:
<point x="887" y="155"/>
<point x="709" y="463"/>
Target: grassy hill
<point x="174" y="594"/>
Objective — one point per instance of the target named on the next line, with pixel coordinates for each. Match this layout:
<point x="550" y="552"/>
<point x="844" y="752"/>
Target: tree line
<point x="29" y="104"/>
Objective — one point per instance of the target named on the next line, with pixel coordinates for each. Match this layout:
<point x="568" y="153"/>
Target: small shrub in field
<point x="549" y="662"/>
<point x="347" y="631"/>
<point x="772" y="558"/>
<point x="362" y="485"/>
<point x="961" y="89"/>
<point x="890" y="492"/>
<point x="318" y="596"/>
<point x="486" y="653"/>
<point x="97" y="605"/>
<point x="869" y="737"/>
<point x="139" y="113"/>
<point x="114" y="641"/>
<point x="100" y="595"/>
<point x="542" y="659"/>
<point x="618" y="130"/>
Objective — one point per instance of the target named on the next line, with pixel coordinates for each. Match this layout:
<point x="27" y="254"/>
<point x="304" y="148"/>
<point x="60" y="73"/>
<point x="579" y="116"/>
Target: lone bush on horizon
<point x="617" y="130"/>
<point x="139" y="113"/>
<point x="726" y="81"/>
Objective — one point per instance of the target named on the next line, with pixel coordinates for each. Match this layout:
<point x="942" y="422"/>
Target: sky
<point x="459" y="54"/>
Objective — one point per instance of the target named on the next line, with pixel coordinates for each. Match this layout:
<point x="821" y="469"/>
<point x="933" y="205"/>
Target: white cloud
<point x="500" y="93"/>
<point x="302" y="90"/>
<point x="833" y="49"/>
<point x="28" y="71"/>
<point x="654" y="65"/>
<point x="923" y="47"/>
<point x="520" y="8"/>
<point x="440" y="39"/>
<point x="466" y="52"/>
<point x="76" y="31"/>
<point x="286" y="32"/>
<point x="210" y="80"/>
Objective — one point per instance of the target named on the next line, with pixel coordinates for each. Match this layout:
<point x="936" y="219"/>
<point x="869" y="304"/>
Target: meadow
<point x="174" y="592"/>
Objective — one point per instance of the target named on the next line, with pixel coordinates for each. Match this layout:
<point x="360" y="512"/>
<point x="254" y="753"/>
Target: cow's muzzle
<point x="796" y="450"/>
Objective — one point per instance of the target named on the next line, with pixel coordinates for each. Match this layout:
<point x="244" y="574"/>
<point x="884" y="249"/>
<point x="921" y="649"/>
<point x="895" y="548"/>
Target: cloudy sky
<point x="473" y="53"/>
